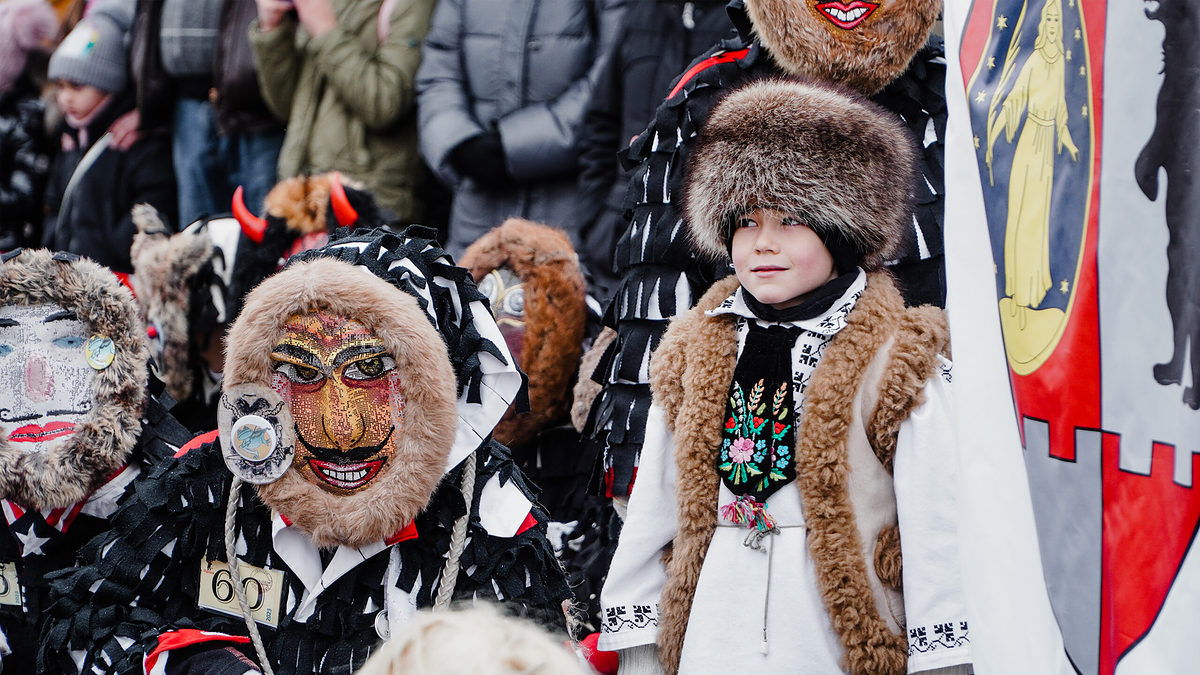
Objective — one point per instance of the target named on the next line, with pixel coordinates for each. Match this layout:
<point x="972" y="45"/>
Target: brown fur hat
<point x="406" y="486"/>
<point x="832" y="158"/>
<point x="863" y="47"/>
<point x="555" y="315"/>
<point x="68" y="472"/>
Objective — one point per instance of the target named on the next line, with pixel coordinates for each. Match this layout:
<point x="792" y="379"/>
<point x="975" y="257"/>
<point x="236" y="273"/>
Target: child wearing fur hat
<point x="799" y="431"/>
<point x="93" y="185"/>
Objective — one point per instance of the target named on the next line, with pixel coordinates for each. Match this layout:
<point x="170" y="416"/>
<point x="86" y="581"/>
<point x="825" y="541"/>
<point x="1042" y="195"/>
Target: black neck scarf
<point x="757" y="455"/>
<point x="818" y="302"/>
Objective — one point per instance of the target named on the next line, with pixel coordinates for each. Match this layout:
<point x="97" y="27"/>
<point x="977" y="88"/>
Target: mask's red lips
<point x="847" y="15"/>
<point x="346" y="476"/>
<point x="36" y="433"/>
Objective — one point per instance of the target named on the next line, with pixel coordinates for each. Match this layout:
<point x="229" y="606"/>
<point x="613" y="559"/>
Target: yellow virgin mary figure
<point x="1040" y="94"/>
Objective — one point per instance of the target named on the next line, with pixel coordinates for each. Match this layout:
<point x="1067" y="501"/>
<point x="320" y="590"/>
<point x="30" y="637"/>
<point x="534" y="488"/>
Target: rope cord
<point x="458" y="539"/>
<point x="236" y="576"/>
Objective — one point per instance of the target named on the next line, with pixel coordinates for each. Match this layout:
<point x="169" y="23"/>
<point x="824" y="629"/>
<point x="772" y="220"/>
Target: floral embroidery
<point x="756" y="452"/>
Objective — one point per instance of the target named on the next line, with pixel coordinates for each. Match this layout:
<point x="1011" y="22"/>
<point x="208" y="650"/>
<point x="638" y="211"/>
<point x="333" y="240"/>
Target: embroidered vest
<point x="868" y="381"/>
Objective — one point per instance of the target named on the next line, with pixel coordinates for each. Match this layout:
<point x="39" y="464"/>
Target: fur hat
<point x="66" y="473"/>
<point x="555" y="315"/>
<point x="836" y="160"/>
<point x="25" y="25"/>
<point x="92" y="54"/>
<point x="433" y="323"/>
<point x="862" y="45"/>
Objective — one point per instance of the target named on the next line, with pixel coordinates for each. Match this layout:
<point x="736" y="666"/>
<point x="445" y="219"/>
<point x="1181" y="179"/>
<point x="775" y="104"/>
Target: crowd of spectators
<point x="456" y="114"/>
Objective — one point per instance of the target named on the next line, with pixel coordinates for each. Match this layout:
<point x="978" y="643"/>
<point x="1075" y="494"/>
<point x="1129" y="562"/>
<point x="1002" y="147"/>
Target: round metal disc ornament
<point x="100" y="351"/>
<point x="258" y="439"/>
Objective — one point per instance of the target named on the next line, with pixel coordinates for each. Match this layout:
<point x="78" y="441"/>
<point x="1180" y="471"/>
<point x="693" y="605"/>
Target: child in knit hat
<point x="93" y="186"/>
<point x="800" y="426"/>
<point x="26" y="26"/>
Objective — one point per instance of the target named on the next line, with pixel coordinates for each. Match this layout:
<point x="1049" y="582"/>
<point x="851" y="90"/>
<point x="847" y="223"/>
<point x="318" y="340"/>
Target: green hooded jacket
<point x="347" y="97"/>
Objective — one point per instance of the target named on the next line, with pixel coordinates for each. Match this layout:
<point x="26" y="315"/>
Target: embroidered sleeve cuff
<point x="938" y="645"/>
<point x="628" y="626"/>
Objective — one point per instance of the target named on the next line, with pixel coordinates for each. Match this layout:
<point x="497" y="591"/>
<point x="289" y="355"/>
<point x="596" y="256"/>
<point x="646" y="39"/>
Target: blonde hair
<point x="472" y="640"/>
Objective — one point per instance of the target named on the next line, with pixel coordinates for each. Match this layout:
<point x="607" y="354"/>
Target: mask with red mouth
<point x="355" y="378"/>
<point x="73" y="377"/>
<point x="861" y="44"/>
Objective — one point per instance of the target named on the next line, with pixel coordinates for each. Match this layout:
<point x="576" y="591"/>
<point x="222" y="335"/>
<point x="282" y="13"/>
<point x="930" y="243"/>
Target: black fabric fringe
<point x="141" y="589"/>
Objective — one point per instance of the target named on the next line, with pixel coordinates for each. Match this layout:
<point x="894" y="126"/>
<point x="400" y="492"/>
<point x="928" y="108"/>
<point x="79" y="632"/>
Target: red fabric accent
<point x="602" y="662"/>
<point x="403" y="534"/>
<point x="209" y="437"/>
<point x="711" y="61"/>
<point x="17" y="510"/>
<point x="529" y="522"/>
<point x="124" y="279"/>
<point x="186" y="637"/>
<point x="285" y="520"/>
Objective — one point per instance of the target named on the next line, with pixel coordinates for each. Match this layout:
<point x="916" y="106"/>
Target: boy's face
<point x="78" y="100"/>
<point x="778" y="259"/>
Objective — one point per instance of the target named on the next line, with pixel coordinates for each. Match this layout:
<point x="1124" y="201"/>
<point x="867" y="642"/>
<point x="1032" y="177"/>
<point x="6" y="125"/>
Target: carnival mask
<point x="46" y="381"/>
<point x="345" y="396"/>
<point x="506" y="293"/>
<point x="862" y="44"/>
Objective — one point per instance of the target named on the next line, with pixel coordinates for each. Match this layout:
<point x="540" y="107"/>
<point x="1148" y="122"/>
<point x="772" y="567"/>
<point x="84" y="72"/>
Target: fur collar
<point x="68" y="472"/>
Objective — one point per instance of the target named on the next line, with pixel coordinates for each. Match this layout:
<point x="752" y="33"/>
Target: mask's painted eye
<point x="69" y="342"/>
<point x="299" y="374"/>
<point x="514" y="302"/>
<point x="489" y="288"/>
<point x="5" y="350"/>
<point x="370" y="368"/>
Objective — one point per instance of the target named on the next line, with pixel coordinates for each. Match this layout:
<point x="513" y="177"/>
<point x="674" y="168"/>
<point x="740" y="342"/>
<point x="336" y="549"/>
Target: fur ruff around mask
<point x="69" y="471"/>
<point x="404" y="488"/>
<point x="167" y="268"/>
<point x="555" y="315"/>
<point x="865" y="57"/>
<point x="838" y="162"/>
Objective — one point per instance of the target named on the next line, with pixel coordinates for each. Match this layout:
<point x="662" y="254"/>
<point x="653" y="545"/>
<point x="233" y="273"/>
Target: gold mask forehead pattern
<point x="345" y="396"/>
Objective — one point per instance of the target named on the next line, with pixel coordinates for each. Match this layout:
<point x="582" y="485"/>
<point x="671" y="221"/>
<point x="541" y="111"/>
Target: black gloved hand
<point x="481" y="158"/>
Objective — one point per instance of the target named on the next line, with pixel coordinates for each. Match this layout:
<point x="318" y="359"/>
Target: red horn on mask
<point x="252" y="225"/>
<point x="345" y="214"/>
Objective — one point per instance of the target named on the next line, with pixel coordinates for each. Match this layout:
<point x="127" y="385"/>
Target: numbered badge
<point x="258" y="439"/>
<point x="10" y="584"/>
<point x="263" y="587"/>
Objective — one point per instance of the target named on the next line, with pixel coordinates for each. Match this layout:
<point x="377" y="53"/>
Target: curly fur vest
<point x="868" y="381"/>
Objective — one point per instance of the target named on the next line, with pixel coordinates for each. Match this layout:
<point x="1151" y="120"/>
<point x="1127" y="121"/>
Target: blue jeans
<point x="208" y="166"/>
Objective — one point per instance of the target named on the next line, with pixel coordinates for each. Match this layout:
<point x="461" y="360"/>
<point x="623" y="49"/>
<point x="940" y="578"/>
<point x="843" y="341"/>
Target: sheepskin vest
<point x="869" y="380"/>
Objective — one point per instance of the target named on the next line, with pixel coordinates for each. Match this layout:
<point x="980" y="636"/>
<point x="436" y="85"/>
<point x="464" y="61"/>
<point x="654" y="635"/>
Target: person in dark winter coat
<point x="501" y="93"/>
<point x="656" y="41"/>
<point x="24" y="148"/>
<point x="354" y="478"/>
<point x="92" y="186"/>
<point x="195" y="75"/>
<point x="885" y="53"/>
<point x="81" y="423"/>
